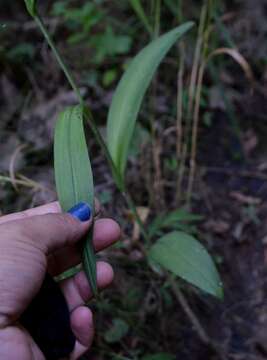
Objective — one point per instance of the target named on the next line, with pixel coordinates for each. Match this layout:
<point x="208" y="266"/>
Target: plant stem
<point x="58" y="57"/>
<point x="204" y="36"/>
<point x="133" y="209"/>
<point x="157" y="19"/>
<point x="117" y="176"/>
<point x="90" y="120"/>
<point x="179" y="121"/>
<point x="140" y="12"/>
<point x="180" y="108"/>
<point x="188" y="311"/>
<point x="87" y="112"/>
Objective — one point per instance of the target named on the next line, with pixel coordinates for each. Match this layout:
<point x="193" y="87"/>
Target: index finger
<point x="52" y="208"/>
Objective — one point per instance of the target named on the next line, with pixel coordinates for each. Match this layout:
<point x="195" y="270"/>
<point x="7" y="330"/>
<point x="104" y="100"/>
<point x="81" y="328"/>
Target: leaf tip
<point x="220" y="292"/>
<point x="31" y="7"/>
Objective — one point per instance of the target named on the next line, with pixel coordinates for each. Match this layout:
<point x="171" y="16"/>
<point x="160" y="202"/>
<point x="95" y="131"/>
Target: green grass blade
<point x="73" y="173"/>
<point x="184" y="256"/>
<point x="130" y="92"/>
<point x="31" y="7"/>
<point x="138" y="8"/>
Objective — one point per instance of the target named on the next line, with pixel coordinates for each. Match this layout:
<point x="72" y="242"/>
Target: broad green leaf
<point x="178" y="219"/>
<point x="128" y="97"/>
<point x="117" y="331"/>
<point x="159" y="356"/>
<point x="138" y="8"/>
<point x="184" y="256"/>
<point x="31" y="7"/>
<point x="73" y="173"/>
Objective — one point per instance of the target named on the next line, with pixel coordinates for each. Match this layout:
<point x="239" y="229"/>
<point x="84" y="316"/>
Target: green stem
<point x="140" y="12"/>
<point x="157" y="19"/>
<point x="99" y="138"/>
<point x="58" y="57"/>
<point x="87" y="112"/>
<point x="89" y="118"/>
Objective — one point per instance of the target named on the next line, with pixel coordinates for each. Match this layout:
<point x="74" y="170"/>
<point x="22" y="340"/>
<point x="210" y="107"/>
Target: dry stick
<point x="7" y="179"/>
<point x="195" y="94"/>
<point x="249" y="74"/>
<point x="188" y="311"/>
<point x="191" y="93"/>
<point x="192" y="170"/>
<point x="159" y="194"/>
<point x="179" y="122"/>
<point x="12" y="165"/>
<point x="24" y="181"/>
<point x="197" y="55"/>
<point x="204" y="337"/>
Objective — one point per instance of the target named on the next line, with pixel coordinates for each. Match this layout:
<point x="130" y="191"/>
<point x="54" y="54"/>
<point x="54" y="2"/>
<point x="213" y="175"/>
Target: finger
<point x="78" y="351"/>
<point x="82" y="325"/>
<point x="51" y="208"/>
<point x="106" y="233"/>
<point x="77" y="291"/>
<point x="48" y="232"/>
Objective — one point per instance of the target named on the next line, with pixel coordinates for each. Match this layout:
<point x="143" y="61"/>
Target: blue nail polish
<point x="81" y="211"/>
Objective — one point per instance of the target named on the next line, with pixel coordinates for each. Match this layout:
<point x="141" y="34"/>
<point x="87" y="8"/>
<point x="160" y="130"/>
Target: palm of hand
<point x="23" y="266"/>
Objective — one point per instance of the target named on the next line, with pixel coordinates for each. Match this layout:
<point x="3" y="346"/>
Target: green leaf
<point x="138" y="8"/>
<point x="128" y="97"/>
<point x="184" y="256"/>
<point x="73" y="173"/>
<point x="109" y="77"/>
<point x="159" y="356"/>
<point x="117" y="331"/>
<point x="177" y="219"/>
<point x="31" y="7"/>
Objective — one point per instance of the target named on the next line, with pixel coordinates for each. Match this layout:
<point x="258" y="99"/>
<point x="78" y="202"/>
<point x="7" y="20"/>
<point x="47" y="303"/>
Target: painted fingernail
<point x="81" y="211"/>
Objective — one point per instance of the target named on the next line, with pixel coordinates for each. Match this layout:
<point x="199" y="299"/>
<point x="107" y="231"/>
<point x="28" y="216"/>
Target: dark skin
<point x="32" y="243"/>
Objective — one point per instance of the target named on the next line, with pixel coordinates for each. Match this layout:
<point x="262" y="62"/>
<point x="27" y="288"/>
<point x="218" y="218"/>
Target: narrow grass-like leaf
<point x="74" y="179"/>
<point x="31" y="7"/>
<point x="128" y="97"/>
<point x="184" y="256"/>
<point x="138" y="8"/>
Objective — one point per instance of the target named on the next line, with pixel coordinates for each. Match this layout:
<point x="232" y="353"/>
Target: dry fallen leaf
<point x="244" y="199"/>
<point x="217" y="226"/>
<point x="249" y="141"/>
<point x="143" y="212"/>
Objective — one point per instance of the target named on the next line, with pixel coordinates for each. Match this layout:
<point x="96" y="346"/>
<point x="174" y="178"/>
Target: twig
<point x="189" y="312"/>
<point x="179" y="121"/>
<point x="192" y="170"/>
<point x="12" y="165"/>
<point x="203" y="37"/>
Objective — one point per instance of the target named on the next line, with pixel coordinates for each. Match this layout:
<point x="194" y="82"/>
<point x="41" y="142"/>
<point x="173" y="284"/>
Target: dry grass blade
<point x="235" y="54"/>
<point x="13" y="163"/>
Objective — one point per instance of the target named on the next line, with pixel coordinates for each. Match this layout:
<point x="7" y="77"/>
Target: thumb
<point x="53" y="231"/>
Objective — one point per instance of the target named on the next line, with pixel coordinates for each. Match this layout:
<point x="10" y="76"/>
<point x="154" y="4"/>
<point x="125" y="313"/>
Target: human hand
<point x="32" y="243"/>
